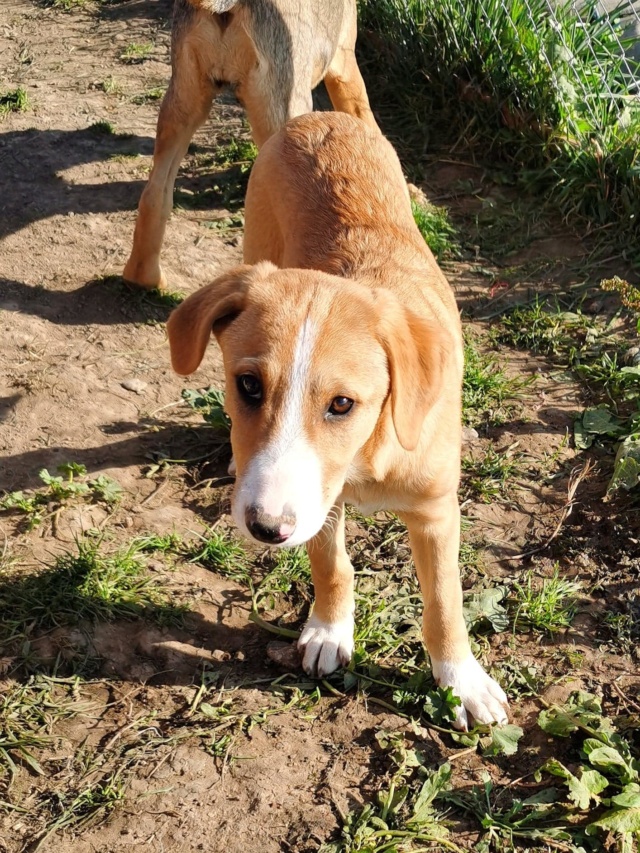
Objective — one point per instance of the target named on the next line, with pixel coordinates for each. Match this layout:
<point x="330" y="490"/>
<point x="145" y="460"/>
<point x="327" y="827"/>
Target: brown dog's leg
<point x="346" y="87"/>
<point x="435" y="538"/>
<point x="185" y="107"/>
<point x="327" y="639"/>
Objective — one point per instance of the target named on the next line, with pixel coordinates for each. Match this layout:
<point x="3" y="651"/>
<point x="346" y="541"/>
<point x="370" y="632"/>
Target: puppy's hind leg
<point x="435" y="538"/>
<point x="346" y="87"/>
<point x="185" y="107"/>
<point x="343" y="79"/>
<point x="326" y="642"/>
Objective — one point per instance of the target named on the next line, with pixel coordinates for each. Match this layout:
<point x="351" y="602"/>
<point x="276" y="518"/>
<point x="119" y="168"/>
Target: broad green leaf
<point x="609" y="759"/>
<point x="629" y="798"/>
<point x="626" y="469"/>
<point x="504" y="740"/>
<point x="599" y="421"/>
<point x="581" y="790"/>
<point x="439" y="781"/>
<point x="582" y="439"/>
<point x="440" y="705"/>
<point x="484" y="606"/>
<point x="620" y="820"/>
<point x="555" y="721"/>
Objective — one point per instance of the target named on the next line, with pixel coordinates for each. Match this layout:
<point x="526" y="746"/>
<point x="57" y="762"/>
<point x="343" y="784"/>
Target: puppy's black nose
<point x="273" y="529"/>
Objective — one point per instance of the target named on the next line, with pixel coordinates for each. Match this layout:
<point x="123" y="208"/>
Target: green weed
<point x="102" y="128"/>
<point x="71" y="483"/>
<point x="436" y="228"/>
<point x="487" y="392"/>
<point x="548" y="606"/>
<point x="15" y="101"/>
<point x="230" y="165"/>
<point x="136" y="52"/>
<point x="209" y="402"/>
<point x="110" y="86"/>
<point x="150" y="96"/>
<point x="65" y="5"/>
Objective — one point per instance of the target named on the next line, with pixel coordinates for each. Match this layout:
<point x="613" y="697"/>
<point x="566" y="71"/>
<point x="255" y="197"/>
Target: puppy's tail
<point x="216" y="7"/>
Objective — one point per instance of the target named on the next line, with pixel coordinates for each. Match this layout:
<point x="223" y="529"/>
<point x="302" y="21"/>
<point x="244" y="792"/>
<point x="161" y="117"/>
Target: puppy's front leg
<point x="435" y="541"/>
<point x="326" y="642"/>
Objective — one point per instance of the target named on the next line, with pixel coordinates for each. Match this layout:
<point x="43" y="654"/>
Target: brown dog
<point x="343" y="382"/>
<point x="273" y="53"/>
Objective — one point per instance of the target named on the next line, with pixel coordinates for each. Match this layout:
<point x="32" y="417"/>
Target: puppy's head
<point x="311" y="361"/>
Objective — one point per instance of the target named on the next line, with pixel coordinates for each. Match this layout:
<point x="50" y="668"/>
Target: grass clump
<point x="436" y="228"/>
<point x="82" y="585"/>
<point x="546" y="607"/>
<point x="229" y="166"/>
<point x="14" y="101"/>
<point x="487" y="392"/>
<point x="136" y="52"/>
<point x="490" y="476"/>
<point x="219" y="551"/>
<point x="544" y="86"/>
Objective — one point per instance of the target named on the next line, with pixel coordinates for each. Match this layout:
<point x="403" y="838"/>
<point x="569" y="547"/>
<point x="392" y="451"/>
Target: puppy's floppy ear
<point x="189" y="327"/>
<point x="417" y="351"/>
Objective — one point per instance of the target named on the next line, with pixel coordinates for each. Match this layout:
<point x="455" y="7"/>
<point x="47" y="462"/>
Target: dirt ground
<point x="72" y="337"/>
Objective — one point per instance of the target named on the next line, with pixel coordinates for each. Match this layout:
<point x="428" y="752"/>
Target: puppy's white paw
<point x="481" y="696"/>
<point x="326" y="646"/>
<point x="231" y="470"/>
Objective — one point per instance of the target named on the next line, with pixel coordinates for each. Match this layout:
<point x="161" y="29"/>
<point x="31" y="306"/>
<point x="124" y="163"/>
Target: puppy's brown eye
<point x="250" y="388"/>
<point x="340" y="406"/>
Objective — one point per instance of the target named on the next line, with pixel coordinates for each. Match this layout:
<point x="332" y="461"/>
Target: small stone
<point x="469" y="434"/>
<point x="285" y="655"/>
<point x="135" y="385"/>
<point x="632" y="356"/>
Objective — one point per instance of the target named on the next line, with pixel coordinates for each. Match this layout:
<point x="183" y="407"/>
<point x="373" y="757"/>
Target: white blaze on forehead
<point x="291" y="424"/>
<point x="286" y="471"/>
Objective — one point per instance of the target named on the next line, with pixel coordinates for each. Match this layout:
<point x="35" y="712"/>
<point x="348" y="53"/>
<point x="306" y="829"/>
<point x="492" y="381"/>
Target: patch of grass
<point x="28" y="713"/>
<point x="136" y="52"/>
<point x="546" y="606"/>
<point x="220" y="551"/>
<point x="149" y="96"/>
<point x="488" y="394"/>
<point x="230" y="165"/>
<point x="102" y="128"/>
<point x="436" y="228"/>
<point x="605" y="366"/>
<point x="546" y="328"/>
<point x="491" y="475"/>
<point x="64" y="5"/>
<point x="14" y="101"/>
<point x="288" y="570"/>
<point x="82" y="585"/>
<point x="110" y="86"/>
<point x="524" y="81"/>
<point x="236" y="152"/>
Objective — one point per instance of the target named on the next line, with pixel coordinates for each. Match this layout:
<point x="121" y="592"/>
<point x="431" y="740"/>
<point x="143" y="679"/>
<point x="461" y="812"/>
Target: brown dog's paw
<point x="325" y="646"/>
<point x="481" y="696"/>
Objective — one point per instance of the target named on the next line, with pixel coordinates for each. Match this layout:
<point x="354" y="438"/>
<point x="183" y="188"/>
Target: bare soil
<point x="71" y="333"/>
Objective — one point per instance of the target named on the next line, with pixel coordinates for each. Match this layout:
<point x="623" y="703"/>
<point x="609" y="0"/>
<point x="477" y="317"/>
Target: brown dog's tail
<point x="216" y="7"/>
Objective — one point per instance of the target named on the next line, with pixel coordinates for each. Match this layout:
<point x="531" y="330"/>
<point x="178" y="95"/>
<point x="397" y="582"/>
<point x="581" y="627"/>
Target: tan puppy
<point x="273" y="53"/>
<point x="343" y="382"/>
